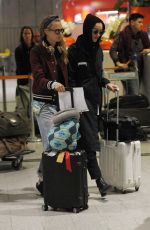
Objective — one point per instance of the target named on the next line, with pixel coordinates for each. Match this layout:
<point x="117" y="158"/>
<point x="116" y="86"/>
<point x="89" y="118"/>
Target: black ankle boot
<point x="39" y="186"/>
<point x="102" y="186"/>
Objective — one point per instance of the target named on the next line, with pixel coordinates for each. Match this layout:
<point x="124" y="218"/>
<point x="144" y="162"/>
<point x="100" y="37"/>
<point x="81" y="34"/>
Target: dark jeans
<point x="131" y="86"/>
<point x="92" y="165"/>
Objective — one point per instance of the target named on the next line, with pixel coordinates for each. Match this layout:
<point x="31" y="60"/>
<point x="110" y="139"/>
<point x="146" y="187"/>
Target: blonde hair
<point x="64" y="51"/>
<point x="46" y="23"/>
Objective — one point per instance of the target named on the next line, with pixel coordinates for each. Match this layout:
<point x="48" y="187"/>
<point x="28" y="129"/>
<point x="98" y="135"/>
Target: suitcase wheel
<point x="115" y="189"/>
<point x="136" y="188"/>
<point x="124" y="191"/>
<point x="17" y="163"/>
<point x="45" y="207"/>
<point x="86" y="206"/>
<point x="76" y="210"/>
<point x="55" y="209"/>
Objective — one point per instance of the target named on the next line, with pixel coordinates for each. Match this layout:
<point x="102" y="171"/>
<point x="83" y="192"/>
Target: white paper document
<point x="79" y="100"/>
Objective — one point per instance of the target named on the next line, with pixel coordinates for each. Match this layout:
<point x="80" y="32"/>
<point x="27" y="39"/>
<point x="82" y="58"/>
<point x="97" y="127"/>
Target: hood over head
<point x="88" y="25"/>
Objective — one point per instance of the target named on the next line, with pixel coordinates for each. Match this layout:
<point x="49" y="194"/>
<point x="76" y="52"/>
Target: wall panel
<point x="27" y="12"/>
<point x="10" y="12"/>
<point x="16" y="13"/>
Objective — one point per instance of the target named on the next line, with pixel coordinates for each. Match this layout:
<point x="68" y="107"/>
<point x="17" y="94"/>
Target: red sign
<point x="70" y="8"/>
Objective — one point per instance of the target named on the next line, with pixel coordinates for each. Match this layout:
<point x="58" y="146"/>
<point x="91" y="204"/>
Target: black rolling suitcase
<point x="133" y="105"/>
<point x="62" y="188"/>
<point x="130" y="101"/>
<point x="143" y="114"/>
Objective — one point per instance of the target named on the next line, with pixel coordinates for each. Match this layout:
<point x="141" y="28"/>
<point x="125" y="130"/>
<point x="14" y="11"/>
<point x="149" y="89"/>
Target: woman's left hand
<point x="145" y="51"/>
<point x="112" y="87"/>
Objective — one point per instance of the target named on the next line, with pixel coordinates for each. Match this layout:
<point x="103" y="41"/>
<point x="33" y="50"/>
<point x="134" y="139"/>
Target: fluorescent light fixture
<point x="77" y="18"/>
<point x="107" y="12"/>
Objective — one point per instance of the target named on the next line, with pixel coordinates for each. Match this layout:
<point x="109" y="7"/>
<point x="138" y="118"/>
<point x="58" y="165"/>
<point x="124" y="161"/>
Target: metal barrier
<point x="3" y="87"/>
<point x="118" y="76"/>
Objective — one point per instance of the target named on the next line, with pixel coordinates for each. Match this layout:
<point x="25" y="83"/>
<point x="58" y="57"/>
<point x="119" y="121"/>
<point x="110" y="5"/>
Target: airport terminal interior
<point x="21" y="205"/>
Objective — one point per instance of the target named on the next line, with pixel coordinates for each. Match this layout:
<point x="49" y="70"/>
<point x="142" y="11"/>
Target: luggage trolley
<point x="110" y="74"/>
<point x="118" y="76"/>
<point x="16" y="159"/>
<point x="142" y="113"/>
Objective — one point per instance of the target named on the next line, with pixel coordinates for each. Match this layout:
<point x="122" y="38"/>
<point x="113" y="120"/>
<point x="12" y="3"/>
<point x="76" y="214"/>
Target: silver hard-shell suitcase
<point x="121" y="162"/>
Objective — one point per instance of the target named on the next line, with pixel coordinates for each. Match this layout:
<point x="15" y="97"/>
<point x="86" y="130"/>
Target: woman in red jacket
<point x="49" y="67"/>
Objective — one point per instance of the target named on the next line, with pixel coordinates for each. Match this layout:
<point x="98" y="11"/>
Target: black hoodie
<point x="88" y="25"/>
<point x="85" y="70"/>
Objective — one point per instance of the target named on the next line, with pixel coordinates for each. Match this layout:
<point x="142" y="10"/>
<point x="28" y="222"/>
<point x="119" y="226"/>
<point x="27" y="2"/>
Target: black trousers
<point x="92" y="165"/>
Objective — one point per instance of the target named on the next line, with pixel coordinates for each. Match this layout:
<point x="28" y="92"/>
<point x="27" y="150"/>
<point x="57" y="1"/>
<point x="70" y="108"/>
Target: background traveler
<point x="128" y="49"/>
<point x="22" y="54"/>
<point x="23" y="67"/>
<point x="37" y="38"/>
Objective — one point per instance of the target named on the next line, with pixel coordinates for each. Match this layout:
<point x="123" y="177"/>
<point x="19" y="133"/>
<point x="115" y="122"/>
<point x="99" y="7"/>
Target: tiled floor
<point x="20" y="204"/>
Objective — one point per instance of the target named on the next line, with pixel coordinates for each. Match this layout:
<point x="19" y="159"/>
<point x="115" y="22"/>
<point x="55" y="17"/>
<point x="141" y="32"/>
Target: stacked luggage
<point x="15" y="127"/>
<point x="134" y="105"/>
<point x="14" y="130"/>
<point x="65" y="166"/>
<point x="120" y="155"/>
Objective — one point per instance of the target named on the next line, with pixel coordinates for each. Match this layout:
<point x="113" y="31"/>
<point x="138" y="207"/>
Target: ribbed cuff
<point x="52" y="84"/>
<point x="49" y="84"/>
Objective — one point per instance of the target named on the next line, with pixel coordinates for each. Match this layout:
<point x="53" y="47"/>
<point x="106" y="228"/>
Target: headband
<point x="49" y="20"/>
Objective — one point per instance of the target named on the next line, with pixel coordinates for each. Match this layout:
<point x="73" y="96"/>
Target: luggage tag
<point x="60" y="157"/>
<point x="68" y="162"/>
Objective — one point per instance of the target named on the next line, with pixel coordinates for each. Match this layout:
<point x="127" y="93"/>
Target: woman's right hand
<point x="122" y="65"/>
<point x="59" y="87"/>
<point x="145" y="51"/>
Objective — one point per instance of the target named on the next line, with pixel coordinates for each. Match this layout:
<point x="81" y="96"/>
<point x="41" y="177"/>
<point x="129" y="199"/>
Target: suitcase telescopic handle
<point x="117" y="115"/>
<point x="70" y="89"/>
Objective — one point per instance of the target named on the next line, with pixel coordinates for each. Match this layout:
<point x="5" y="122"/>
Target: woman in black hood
<point x="85" y="70"/>
<point x="88" y="27"/>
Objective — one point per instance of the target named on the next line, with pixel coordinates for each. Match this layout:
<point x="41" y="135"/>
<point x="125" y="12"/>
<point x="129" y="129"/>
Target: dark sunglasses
<point x="96" y="31"/>
<point x="57" y="31"/>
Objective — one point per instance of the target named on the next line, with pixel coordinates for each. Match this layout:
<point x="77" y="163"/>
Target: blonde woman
<point x="49" y="68"/>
